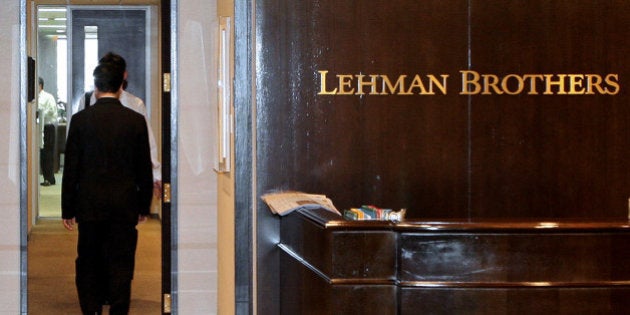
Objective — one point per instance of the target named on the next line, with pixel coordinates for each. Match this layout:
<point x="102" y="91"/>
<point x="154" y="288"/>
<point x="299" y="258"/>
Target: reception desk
<point x="332" y="266"/>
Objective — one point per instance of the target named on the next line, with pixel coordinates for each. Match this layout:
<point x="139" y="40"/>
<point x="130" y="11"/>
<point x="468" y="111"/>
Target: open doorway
<point x="51" y="64"/>
<point x="68" y="42"/>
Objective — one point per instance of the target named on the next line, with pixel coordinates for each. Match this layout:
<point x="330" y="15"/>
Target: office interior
<point x="200" y="294"/>
<point x="499" y="127"/>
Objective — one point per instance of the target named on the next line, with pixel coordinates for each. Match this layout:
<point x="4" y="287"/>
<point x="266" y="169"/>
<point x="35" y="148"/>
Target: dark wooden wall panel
<point x="449" y="301"/>
<point x="335" y="266"/>
<point x="452" y="155"/>
<point x="444" y="156"/>
<point x="514" y="257"/>
<point x="395" y="151"/>
<point x="554" y="156"/>
<point x="307" y="294"/>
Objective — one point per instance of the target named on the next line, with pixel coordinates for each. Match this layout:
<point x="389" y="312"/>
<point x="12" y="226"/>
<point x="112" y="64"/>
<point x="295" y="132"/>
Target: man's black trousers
<point x="104" y="266"/>
<point x="47" y="158"/>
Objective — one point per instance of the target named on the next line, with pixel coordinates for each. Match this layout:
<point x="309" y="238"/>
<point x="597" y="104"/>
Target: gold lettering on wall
<point x="381" y="84"/>
<point x="472" y="83"/>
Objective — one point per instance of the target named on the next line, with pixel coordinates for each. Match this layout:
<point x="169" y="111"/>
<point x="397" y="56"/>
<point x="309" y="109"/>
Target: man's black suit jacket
<point x="107" y="167"/>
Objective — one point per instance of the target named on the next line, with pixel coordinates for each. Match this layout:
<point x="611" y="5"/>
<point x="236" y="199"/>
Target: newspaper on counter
<point x="285" y="202"/>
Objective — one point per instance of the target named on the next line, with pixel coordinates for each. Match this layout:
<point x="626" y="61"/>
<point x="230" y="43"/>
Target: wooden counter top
<point x="445" y="266"/>
<point x="333" y="221"/>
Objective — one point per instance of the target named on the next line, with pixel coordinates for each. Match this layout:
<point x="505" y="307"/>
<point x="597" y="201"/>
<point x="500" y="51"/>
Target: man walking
<point x="48" y="115"/>
<point x="107" y="188"/>
<point x="133" y="102"/>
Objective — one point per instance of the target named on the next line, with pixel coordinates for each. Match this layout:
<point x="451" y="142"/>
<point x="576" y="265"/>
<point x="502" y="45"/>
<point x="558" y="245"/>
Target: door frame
<point x="169" y="61"/>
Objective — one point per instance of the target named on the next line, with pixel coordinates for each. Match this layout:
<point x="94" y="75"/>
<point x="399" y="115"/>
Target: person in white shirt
<point x="48" y="116"/>
<point x="133" y="102"/>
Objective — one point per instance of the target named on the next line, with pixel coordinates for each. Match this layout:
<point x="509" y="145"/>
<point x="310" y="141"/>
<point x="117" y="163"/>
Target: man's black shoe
<point x="46" y="183"/>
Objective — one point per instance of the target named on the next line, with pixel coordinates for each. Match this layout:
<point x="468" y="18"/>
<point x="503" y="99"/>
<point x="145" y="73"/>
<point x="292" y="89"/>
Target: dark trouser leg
<point x="106" y="262"/>
<point x="47" y="158"/>
<point x="121" y="259"/>
<point x="89" y="265"/>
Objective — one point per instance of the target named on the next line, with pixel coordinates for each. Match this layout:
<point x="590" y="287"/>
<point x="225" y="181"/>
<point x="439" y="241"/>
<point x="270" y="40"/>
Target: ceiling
<point x="51" y="21"/>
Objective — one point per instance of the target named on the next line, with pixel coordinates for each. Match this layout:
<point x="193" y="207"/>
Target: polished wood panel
<point x="336" y="271"/>
<point x="559" y="156"/>
<point x="469" y="158"/>
<point x="341" y="253"/>
<point x="514" y="258"/>
<point x="481" y="156"/>
<point x="305" y="292"/>
<point x="394" y="151"/>
<point x="333" y="266"/>
<point x="525" y="301"/>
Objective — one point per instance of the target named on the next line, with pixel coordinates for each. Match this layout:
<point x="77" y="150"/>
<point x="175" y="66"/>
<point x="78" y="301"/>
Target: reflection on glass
<point x="62" y="69"/>
<point x="66" y="52"/>
<point x="51" y="65"/>
<point x="52" y="51"/>
<point x="90" y="56"/>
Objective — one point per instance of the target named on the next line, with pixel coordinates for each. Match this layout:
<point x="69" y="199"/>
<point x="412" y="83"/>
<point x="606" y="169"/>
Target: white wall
<point x="197" y="185"/>
<point x="10" y="159"/>
<point x="196" y="199"/>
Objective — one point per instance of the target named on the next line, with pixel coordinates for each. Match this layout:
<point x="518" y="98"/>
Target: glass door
<point x="70" y="41"/>
<point x="49" y="139"/>
<point x="98" y="30"/>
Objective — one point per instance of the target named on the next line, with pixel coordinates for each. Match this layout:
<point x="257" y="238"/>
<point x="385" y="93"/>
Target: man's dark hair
<point x="108" y="77"/>
<point x="41" y="82"/>
<point x="115" y="59"/>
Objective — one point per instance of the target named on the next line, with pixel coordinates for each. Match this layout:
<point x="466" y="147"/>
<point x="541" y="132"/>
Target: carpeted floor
<point x="50" y="198"/>
<point x="51" y="255"/>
